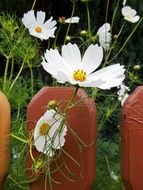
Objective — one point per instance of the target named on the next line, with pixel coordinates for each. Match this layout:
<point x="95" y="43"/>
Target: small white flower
<point x="37" y="25"/>
<point x="104" y="35"/>
<point x="122" y="93"/>
<point x="114" y="176"/>
<point x="130" y="14"/>
<point x="70" y="67"/>
<point x="48" y="134"/>
<point x="72" y="20"/>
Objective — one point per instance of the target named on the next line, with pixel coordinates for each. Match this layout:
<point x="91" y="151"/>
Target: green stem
<point x="32" y="81"/>
<point x="18" y="110"/>
<point x="57" y="33"/>
<point x="70" y="101"/>
<point x="107" y="9"/>
<point x="114" y="14"/>
<point x="108" y="165"/>
<point x="106" y="118"/>
<point x="17" y="76"/>
<point x="126" y="41"/>
<point x="20" y="139"/>
<point x="5" y="72"/>
<point x="12" y="68"/>
<point x="113" y="45"/>
<point x="33" y="5"/>
<point x="69" y="25"/>
<point x="88" y="20"/>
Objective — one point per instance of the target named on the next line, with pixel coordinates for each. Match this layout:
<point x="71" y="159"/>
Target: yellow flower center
<point x="79" y="75"/>
<point x="38" y="29"/>
<point x="44" y="128"/>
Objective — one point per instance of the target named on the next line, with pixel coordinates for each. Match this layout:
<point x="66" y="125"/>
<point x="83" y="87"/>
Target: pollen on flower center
<point x="38" y="29"/>
<point x="44" y="128"/>
<point x="79" y="75"/>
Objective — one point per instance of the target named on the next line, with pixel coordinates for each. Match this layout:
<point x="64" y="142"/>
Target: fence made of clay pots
<point x="82" y="120"/>
<point x="4" y="137"/>
<point x="132" y="141"/>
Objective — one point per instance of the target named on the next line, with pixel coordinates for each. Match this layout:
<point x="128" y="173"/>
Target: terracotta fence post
<point x="4" y="137"/>
<point x="82" y="119"/>
<point x="132" y="141"/>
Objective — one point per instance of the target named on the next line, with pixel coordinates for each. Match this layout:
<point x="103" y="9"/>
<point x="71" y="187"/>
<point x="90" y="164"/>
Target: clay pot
<point x="82" y="119"/>
<point x="132" y="141"/>
<point x="4" y="137"/>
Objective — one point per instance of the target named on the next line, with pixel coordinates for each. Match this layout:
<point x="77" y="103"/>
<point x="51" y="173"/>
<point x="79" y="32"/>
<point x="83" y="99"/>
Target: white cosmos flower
<point x="130" y="14"/>
<point x="104" y="35"/>
<point x="70" y="67"/>
<point x="48" y="135"/>
<point x="72" y="20"/>
<point x="37" y="25"/>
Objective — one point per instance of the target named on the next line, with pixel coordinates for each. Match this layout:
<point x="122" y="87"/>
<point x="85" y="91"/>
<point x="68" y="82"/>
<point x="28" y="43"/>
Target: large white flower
<point x="130" y="14"/>
<point x="37" y="25"/>
<point x="48" y="133"/>
<point x="70" y="67"/>
<point x="104" y="35"/>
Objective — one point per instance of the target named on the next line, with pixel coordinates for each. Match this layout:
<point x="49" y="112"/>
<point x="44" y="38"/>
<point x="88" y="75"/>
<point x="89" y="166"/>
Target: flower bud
<point x="37" y="165"/>
<point x="62" y="20"/>
<point x="68" y="38"/>
<point x="137" y="67"/>
<point x="52" y="104"/>
<point x="83" y="33"/>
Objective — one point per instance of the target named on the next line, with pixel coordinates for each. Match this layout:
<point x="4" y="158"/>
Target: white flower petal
<point x="61" y="77"/>
<point x="49" y="24"/>
<point x="92" y="58"/>
<point x="54" y="58"/>
<point x="71" y="55"/>
<point x="107" y="72"/>
<point x="92" y="83"/>
<point x="133" y="19"/>
<point x="29" y="19"/>
<point x="72" y="20"/>
<point x="111" y="76"/>
<point x="125" y="10"/>
<point x="104" y="28"/>
<point x="40" y="17"/>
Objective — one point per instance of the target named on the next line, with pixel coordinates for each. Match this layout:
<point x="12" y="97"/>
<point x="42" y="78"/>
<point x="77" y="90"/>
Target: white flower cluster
<point x="70" y="66"/>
